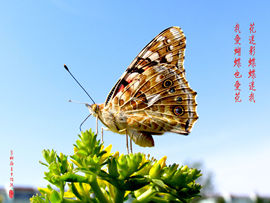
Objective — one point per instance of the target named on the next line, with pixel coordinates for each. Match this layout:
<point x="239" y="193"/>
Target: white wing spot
<point x="148" y="53"/>
<point x="175" y="33"/>
<point x="171" y="47"/>
<point x="154" y="56"/>
<point x="160" y="38"/>
<point x="152" y="99"/>
<point x="159" y="78"/>
<point x="136" y="85"/>
<point x="131" y="77"/>
<point x="159" y="69"/>
<point x="169" y="41"/>
<point x="160" y="44"/>
<point x="183" y="88"/>
<point x="169" y="57"/>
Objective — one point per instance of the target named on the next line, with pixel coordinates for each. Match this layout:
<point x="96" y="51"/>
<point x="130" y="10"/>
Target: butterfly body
<point x="152" y="96"/>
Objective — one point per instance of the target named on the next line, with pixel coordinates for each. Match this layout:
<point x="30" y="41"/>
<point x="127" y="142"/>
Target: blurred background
<point x="98" y="40"/>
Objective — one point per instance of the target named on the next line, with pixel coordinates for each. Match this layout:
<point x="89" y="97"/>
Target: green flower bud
<point x="55" y="197"/>
<point x="169" y="172"/>
<point x="122" y="166"/>
<point x="46" y="155"/>
<point x="112" y="167"/>
<point x="155" y="171"/>
<point x="184" y="168"/>
<point x="179" y="177"/>
<point x="79" y="144"/>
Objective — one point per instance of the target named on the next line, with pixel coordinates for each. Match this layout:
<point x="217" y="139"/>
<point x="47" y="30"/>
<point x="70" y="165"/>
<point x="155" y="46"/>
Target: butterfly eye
<point x="178" y="110"/>
<point x="94" y="108"/>
<point x="179" y="99"/>
<point x="167" y="83"/>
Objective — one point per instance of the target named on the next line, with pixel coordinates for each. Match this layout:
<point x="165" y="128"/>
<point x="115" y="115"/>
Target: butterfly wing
<point x="167" y="47"/>
<point x="153" y="92"/>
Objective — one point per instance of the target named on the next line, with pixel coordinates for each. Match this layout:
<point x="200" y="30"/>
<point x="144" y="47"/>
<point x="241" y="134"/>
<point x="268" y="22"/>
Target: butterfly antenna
<point x="78" y="83"/>
<point x="77" y="102"/>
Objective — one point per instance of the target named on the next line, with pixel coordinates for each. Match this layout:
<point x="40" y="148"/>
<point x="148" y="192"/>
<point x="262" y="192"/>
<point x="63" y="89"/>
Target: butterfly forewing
<point x="167" y="47"/>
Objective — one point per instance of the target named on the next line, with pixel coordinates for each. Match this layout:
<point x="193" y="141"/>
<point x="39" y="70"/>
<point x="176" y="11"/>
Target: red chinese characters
<point x="252" y="62"/>
<point x="237" y="97"/>
<point x="237" y="40"/>
<point x="251" y="74"/>
<point x="237" y="51"/>
<point x="251" y="97"/>
<point x="252" y="50"/>
<point x="237" y="28"/>
<point x="252" y="86"/>
<point x="237" y="74"/>
<point x="237" y="85"/>
<point x="11" y="179"/>
<point x="237" y="63"/>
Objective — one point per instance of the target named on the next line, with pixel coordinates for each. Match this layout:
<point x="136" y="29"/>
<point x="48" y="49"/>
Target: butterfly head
<point x="93" y="108"/>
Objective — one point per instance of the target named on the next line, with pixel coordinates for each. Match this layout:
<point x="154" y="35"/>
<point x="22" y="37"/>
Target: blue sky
<point x="98" y="41"/>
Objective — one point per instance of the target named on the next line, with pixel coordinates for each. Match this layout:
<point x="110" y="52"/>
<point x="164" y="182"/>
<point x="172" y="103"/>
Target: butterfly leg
<point x="97" y="125"/>
<point x="103" y="129"/>
<point x="102" y="134"/>
<point x="127" y="142"/>
<point x="130" y="143"/>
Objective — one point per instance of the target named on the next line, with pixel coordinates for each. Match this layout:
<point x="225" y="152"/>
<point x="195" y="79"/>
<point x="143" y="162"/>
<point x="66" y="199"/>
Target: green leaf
<point x="112" y="166"/>
<point x="159" y="183"/>
<point x="55" y="197"/>
<point x="43" y="163"/>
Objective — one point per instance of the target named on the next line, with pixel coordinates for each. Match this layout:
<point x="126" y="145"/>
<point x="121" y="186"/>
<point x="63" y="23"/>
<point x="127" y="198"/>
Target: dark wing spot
<point x="187" y="125"/>
<point x="172" y="90"/>
<point x="124" y="82"/>
<point x="163" y="60"/>
<point x="141" y="96"/>
<point x="178" y="110"/>
<point x="135" y="69"/>
<point x="148" y="59"/>
<point x="179" y="99"/>
<point x="167" y="83"/>
<point x="153" y="63"/>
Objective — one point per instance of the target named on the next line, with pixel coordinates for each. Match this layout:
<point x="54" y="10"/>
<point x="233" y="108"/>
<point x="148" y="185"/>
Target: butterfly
<point x="152" y="96"/>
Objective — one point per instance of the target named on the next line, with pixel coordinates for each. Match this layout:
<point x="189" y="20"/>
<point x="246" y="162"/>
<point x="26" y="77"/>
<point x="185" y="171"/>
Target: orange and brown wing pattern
<point x="167" y="47"/>
<point x="160" y="101"/>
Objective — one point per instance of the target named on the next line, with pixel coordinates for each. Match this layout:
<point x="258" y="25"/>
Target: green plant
<point x="94" y="174"/>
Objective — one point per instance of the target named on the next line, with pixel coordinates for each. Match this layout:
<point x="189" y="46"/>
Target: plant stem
<point x="119" y="195"/>
<point x="62" y="190"/>
<point x="98" y="193"/>
<point x="74" y="178"/>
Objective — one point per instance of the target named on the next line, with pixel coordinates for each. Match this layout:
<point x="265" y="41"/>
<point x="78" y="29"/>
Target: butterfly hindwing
<point x="164" y="98"/>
